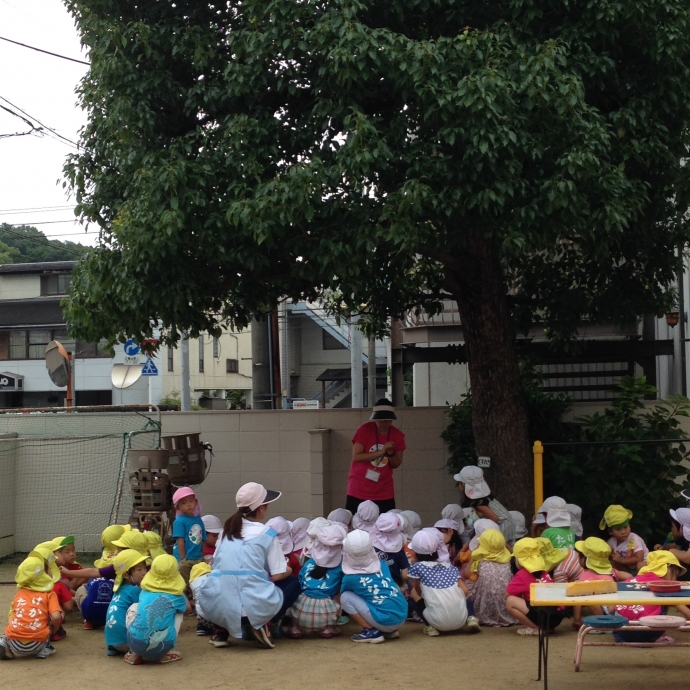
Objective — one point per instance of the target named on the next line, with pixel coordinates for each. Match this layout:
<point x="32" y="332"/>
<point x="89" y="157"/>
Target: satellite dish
<point x="125" y="375"/>
<point x="58" y="364"/>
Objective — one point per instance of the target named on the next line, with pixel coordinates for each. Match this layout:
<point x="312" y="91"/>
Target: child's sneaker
<point x="46" y="651"/>
<point x="395" y="635"/>
<point x="472" y="625"/>
<point x="4" y="655"/>
<point x="88" y="626"/>
<point x="220" y="639"/>
<point x="61" y="634"/>
<point x="202" y="630"/>
<point x="343" y="620"/>
<point x="430" y="631"/>
<point x="262" y="637"/>
<point x="369" y="635"/>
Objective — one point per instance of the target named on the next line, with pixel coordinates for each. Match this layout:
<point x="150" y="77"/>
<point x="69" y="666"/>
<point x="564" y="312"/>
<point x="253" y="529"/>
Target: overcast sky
<point x="44" y="87"/>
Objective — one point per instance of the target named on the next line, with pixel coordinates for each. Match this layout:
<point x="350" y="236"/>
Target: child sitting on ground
<point x="66" y="557"/>
<point x="529" y="567"/>
<point x="629" y="550"/>
<point x="558" y="529"/>
<point x="661" y="565"/>
<point x="64" y="594"/>
<point x="312" y="530"/>
<point x="316" y="610"/>
<point x="282" y="528"/>
<point x="342" y="516"/>
<point x="520" y="524"/>
<point x="188" y="530"/>
<point x="35" y="609"/>
<point x="440" y="592"/>
<point x="108" y="536"/>
<point x="368" y="594"/>
<point x="471" y="482"/>
<point x="130" y="569"/>
<point x="366" y="516"/>
<point x="299" y="537"/>
<point x="388" y="543"/>
<point x="451" y="531"/>
<point x="214" y="528"/>
<point x="153" y="633"/>
<point x="196" y="576"/>
<point x="679" y="538"/>
<point x="490" y="574"/>
<point x="575" y="519"/>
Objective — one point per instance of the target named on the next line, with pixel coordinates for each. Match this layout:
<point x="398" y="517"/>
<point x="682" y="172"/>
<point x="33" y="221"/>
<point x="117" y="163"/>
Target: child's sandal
<point x="170" y="656"/>
<point x="133" y="659"/>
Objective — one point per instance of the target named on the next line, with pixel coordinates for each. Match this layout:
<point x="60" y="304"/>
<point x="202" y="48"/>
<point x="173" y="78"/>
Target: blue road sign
<point x="150" y="369"/>
<point x="132" y="348"/>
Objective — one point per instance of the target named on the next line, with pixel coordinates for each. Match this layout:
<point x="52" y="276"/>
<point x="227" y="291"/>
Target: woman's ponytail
<point x="232" y="529"/>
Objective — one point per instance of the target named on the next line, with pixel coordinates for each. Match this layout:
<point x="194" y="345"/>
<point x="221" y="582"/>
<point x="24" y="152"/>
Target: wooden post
<point x="538" y="451"/>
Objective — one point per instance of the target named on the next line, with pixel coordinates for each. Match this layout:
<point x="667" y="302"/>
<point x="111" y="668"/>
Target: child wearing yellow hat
<point x="661" y="565"/>
<point x="490" y="565"/>
<point x="109" y="535"/>
<point x="529" y="567"/>
<point x="130" y="569"/>
<point x="35" y="609"/>
<point x="153" y="633"/>
<point x="628" y="549"/>
<point x="46" y="552"/>
<point x="155" y="544"/>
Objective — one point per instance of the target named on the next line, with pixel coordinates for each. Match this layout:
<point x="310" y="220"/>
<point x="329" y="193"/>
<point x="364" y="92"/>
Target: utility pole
<point x="356" y="362"/>
<point x="185" y="396"/>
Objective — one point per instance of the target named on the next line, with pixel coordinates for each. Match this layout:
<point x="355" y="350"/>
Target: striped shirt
<point x="569" y="569"/>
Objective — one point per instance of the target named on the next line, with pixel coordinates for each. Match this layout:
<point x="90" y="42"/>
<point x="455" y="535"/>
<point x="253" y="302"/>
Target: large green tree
<point x="522" y="156"/>
<point x="28" y="244"/>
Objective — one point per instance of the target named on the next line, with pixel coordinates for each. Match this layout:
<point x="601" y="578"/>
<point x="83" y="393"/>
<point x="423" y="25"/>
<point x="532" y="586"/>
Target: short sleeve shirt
<point x="636" y="611"/>
<point x="631" y="545"/>
<point x="397" y="562"/>
<point x="192" y="530"/>
<point x="115" y="622"/>
<point x="519" y="586"/>
<point x="560" y="537"/>
<point x="30" y="615"/>
<point x="325" y="588"/>
<point x="373" y="481"/>
<point x="155" y="619"/>
<point x="435" y="575"/>
<point x="569" y="569"/>
<point x="277" y="564"/>
<point x="386" y="602"/>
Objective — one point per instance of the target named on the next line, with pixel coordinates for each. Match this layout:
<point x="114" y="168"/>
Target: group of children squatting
<point x="260" y="581"/>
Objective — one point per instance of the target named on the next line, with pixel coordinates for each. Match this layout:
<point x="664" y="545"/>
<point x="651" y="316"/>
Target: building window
<point x="231" y="366"/>
<point x="216" y="348"/>
<point x="31" y="344"/>
<point x="331" y="343"/>
<point x="56" y="284"/>
<point x="201" y="354"/>
<point x="170" y="359"/>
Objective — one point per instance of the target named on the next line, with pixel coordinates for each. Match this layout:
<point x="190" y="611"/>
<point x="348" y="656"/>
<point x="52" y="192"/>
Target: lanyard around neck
<point x="376" y="431"/>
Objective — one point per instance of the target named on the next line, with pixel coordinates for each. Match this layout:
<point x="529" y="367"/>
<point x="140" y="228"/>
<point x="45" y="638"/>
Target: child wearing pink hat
<point x="188" y="531"/>
<point x="316" y="609"/>
<point x="389" y="543"/>
<point x="368" y="594"/>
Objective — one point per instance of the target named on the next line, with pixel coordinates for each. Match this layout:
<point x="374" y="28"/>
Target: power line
<point x="37" y="209"/>
<point x="43" y="222"/>
<point x="38" y="241"/>
<point x="31" y="124"/>
<point x="47" y="52"/>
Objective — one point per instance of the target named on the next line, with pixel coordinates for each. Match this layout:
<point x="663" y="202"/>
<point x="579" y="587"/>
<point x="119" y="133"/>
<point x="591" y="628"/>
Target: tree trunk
<point x="499" y="417"/>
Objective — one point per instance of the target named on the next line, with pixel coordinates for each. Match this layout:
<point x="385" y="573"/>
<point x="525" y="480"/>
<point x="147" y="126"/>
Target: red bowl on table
<point x="665" y="587"/>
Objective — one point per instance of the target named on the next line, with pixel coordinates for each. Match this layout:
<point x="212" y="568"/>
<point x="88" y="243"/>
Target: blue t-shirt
<point x="116" y="620"/>
<point x="192" y="530"/>
<point x="152" y="633"/>
<point x="396" y="562"/>
<point x="95" y="606"/>
<point x="325" y="588"/>
<point x="386" y="602"/>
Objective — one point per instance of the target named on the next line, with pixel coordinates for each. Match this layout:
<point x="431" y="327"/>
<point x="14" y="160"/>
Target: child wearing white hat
<point x="341" y="515"/>
<point x="366" y="516"/>
<point x="389" y="543"/>
<point x="440" y="593"/>
<point x="214" y="528"/>
<point x="558" y="530"/>
<point x="368" y="593"/>
<point x="472" y="483"/>
<point x="451" y="530"/>
<point x="316" y="610"/>
<point x="520" y="524"/>
<point x="575" y="519"/>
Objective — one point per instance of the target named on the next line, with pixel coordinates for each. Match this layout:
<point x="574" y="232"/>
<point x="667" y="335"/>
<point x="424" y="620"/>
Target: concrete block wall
<point x="306" y="455"/>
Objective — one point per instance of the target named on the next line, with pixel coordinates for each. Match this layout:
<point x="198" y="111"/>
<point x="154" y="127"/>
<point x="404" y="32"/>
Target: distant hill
<point x="22" y="244"/>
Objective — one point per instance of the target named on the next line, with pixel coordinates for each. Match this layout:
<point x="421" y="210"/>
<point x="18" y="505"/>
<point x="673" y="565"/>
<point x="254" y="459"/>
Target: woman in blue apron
<point x="239" y="591"/>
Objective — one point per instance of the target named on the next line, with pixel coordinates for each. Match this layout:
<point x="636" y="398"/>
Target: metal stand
<point x="544" y="630"/>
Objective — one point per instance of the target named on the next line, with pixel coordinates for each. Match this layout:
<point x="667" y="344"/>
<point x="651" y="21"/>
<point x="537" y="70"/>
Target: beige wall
<point x="276" y="448"/>
<point x="20" y="286"/>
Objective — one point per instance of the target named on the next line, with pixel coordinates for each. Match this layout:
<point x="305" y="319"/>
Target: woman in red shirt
<point x="377" y="449"/>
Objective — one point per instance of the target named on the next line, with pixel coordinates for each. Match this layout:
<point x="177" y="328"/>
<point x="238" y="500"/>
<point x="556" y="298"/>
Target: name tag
<point x="372" y="475"/>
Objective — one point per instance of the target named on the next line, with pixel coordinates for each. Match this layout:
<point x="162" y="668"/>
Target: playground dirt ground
<point x="495" y="659"/>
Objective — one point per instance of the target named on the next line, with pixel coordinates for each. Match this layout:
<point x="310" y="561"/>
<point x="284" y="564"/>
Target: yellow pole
<point x="538" y="451"/>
